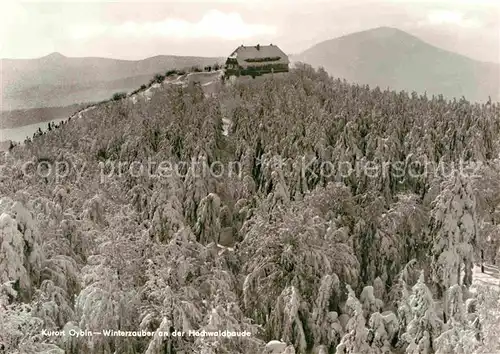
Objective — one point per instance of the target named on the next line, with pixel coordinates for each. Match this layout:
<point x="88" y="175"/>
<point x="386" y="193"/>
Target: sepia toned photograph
<point x="250" y="177"/>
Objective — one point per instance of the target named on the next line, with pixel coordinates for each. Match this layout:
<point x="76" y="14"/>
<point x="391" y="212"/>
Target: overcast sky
<point x="136" y="29"/>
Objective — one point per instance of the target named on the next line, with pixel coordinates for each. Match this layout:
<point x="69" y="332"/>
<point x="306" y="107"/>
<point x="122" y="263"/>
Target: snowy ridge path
<point x="207" y="80"/>
<point x="85" y="110"/>
<point x="78" y="114"/>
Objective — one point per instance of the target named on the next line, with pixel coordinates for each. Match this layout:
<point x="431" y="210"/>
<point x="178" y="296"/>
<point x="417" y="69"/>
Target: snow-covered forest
<point x="320" y="216"/>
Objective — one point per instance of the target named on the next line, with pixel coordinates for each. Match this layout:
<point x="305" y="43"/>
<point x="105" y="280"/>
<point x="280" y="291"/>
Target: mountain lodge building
<point x="256" y="60"/>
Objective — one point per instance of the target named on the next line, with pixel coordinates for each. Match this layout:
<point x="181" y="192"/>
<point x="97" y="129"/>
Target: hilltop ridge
<point x="54" y="56"/>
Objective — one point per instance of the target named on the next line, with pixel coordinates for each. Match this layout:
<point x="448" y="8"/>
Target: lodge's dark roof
<point x="259" y="55"/>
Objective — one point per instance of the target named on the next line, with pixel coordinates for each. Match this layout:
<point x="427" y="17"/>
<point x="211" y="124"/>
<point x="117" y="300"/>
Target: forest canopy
<point x="352" y="224"/>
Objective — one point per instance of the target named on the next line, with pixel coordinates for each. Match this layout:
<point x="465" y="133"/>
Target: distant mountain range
<point x="388" y="57"/>
<point x="56" y="80"/>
